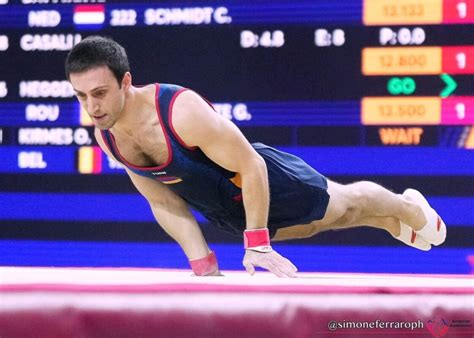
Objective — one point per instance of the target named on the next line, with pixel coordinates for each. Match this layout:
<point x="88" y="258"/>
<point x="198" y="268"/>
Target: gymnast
<point x="180" y="154"/>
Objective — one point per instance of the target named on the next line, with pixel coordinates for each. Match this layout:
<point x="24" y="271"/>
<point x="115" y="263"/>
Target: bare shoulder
<point x="189" y="104"/>
<point x="194" y="119"/>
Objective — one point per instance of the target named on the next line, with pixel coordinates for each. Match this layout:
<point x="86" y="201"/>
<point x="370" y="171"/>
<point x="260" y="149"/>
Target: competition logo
<point x="89" y="16"/>
<point x="437" y="327"/>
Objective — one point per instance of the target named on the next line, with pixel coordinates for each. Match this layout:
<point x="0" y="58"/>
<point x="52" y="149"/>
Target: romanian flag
<point x="89" y="16"/>
<point x="90" y="160"/>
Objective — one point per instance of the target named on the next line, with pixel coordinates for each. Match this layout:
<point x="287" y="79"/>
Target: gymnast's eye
<point x="100" y="93"/>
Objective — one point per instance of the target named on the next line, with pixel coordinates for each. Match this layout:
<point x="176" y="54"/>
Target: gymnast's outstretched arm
<point x="199" y="125"/>
<point x="173" y="215"/>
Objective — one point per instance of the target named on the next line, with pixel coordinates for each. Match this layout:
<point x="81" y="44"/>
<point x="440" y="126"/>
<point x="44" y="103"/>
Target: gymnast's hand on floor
<point x="271" y="261"/>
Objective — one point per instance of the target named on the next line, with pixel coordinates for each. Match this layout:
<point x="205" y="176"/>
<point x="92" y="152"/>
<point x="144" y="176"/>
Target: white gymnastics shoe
<point x="434" y="231"/>
<point x="411" y="238"/>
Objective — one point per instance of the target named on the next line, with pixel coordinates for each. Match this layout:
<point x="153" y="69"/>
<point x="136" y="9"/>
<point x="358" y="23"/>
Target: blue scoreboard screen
<point x="360" y="89"/>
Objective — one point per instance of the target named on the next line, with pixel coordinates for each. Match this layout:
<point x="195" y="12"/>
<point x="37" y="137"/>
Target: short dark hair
<point x="96" y="51"/>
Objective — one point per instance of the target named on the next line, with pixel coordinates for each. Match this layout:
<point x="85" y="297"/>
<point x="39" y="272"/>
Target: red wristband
<point x="204" y="266"/>
<point x="256" y="238"/>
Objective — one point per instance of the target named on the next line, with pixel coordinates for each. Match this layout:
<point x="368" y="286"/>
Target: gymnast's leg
<point x="405" y="217"/>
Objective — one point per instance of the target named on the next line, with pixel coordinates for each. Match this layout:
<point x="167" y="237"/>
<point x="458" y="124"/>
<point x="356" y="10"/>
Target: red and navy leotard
<point x="297" y="192"/>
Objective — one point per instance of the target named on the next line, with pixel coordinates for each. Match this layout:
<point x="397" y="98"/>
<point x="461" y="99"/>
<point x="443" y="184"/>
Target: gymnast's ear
<point x="126" y="81"/>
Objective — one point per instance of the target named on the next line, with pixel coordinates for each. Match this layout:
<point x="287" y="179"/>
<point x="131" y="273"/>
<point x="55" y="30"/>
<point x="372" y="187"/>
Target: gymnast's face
<point x="100" y="95"/>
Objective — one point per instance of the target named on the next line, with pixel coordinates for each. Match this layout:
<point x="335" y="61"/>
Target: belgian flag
<point x="90" y="160"/>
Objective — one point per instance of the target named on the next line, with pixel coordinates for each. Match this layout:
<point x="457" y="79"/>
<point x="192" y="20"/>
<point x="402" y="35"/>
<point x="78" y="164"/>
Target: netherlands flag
<point x="89" y="16"/>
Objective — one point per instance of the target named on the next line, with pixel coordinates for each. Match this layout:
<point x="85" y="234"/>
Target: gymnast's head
<point x="99" y="72"/>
